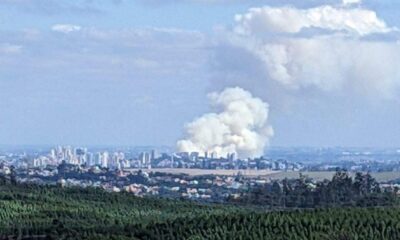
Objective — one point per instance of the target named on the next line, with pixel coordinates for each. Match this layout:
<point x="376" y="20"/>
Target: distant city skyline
<point x="135" y="73"/>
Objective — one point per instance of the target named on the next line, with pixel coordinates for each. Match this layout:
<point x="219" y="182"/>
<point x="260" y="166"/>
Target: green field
<point x="36" y="212"/>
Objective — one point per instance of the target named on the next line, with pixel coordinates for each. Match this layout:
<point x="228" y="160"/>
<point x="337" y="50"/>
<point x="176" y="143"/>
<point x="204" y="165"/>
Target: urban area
<point x="151" y="171"/>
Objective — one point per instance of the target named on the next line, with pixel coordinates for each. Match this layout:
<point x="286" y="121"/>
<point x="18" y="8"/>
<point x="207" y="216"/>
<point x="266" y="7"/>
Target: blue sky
<point x="134" y="72"/>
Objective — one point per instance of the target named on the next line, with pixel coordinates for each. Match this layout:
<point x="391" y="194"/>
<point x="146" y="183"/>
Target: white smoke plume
<point x="239" y="125"/>
<point x="329" y="48"/>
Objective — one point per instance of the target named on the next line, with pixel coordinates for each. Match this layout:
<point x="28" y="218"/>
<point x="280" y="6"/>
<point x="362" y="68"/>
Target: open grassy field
<point x="381" y="176"/>
<point x="224" y="172"/>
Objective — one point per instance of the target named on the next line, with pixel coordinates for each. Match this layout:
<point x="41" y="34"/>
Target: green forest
<point x="341" y="191"/>
<point x="50" y="212"/>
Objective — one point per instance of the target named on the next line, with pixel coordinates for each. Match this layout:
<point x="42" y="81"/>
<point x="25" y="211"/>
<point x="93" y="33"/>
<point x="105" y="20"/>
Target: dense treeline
<point x="46" y="212"/>
<point x="342" y="190"/>
<point x="329" y="224"/>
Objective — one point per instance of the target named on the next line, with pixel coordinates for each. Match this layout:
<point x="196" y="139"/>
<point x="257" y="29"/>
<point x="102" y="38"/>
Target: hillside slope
<point x="56" y="213"/>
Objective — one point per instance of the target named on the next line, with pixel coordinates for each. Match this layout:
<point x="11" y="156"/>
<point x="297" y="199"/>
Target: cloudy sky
<point x="134" y="72"/>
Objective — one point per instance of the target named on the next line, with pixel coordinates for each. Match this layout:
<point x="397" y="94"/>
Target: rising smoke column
<point x="238" y="126"/>
<point x="342" y="48"/>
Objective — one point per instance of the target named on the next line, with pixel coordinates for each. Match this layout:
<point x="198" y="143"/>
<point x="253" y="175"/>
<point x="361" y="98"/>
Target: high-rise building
<point x="145" y="159"/>
<point x="194" y="156"/>
<point x="69" y="156"/>
<point x="118" y="157"/>
<point x="89" y="159"/>
<point x="231" y="156"/>
<point x="104" y="160"/>
<point x="53" y="154"/>
<point x="184" y="155"/>
<point x="97" y="159"/>
<point x="172" y="161"/>
<point x="154" y="154"/>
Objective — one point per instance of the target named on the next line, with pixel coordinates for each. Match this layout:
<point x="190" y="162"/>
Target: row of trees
<point x="341" y="190"/>
<point x="326" y="224"/>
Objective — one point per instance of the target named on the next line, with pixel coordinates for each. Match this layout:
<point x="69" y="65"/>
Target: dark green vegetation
<point x="44" y="212"/>
<point x="341" y="191"/>
<point x="389" y="176"/>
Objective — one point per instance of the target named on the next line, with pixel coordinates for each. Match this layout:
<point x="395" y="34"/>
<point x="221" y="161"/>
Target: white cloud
<point x="294" y="20"/>
<point x="333" y="63"/>
<point x="66" y="28"/>
<point x="351" y="2"/>
<point x="343" y="59"/>
<point x="129" y="70"/>
<point x="141" y="52"/>
<point x="53" y="7"/>
<point x="8" y="48"/>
